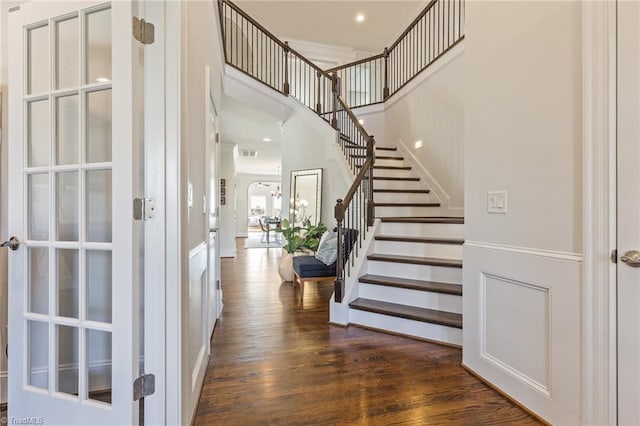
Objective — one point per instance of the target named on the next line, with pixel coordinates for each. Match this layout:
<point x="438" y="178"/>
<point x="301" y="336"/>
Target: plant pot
<point x="285" y="269"/>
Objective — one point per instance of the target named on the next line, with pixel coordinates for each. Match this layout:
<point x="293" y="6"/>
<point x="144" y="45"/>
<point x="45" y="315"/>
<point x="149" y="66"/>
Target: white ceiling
<point x="329" y="22"/>
<point x="333" y="21"/>
<point x="246" y="126"/>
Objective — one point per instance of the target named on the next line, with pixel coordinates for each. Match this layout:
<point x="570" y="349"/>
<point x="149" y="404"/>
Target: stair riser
<point x="383" y="162"/>
<point x="393" y="173"/>
<point x="437" y="230"/>
<point x="403" y="296"/>
<point x="398" y="184"/>
<point x="416" y="272"/>
<point x="438" y="333"/>
<point x="387" y="162"/>
<point x="403" y="197"/>
<point x="402" y="211"/>
<point x="401" y="248"/>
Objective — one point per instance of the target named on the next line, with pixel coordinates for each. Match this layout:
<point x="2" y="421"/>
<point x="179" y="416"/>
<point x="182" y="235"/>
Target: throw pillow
<point x="327" y="252"/>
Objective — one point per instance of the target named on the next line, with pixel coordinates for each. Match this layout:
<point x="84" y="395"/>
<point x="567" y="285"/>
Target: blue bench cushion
<point x="309" y="266"/>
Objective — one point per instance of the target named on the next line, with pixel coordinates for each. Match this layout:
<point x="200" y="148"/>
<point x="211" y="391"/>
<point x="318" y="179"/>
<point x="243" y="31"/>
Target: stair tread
<point x="425" y="240"/>
<point x="413" y="179"/>
<point x="415" y="260"/>
<point x="384" y="148"/>
<point x="454" y="220"/>
<point x="404" y="191"/>
<point x="433" y="316"/>
<point x="388" y="167"/>
<point x="432" y="286"/>
<point x="378" y="157"/>
<point x="399" y="204"/>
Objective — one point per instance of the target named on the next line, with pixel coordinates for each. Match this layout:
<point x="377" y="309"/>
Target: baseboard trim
<point x="558" y="255"/>
<point x="502" y="393"/>
<point x="228" y="253"/>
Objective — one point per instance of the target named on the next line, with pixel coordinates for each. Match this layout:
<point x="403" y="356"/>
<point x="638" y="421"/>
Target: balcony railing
<point x="436" y="30"/>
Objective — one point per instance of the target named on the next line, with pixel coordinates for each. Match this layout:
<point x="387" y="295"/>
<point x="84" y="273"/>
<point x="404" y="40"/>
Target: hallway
<point x="274" y="362"/>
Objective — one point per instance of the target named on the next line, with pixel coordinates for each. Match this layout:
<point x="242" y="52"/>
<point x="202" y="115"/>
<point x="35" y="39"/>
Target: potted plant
<point x="299" y="238"/>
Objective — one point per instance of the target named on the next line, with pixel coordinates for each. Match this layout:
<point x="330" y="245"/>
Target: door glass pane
<point x="98" y="27"/>
<point x="38" y="57"/>
<point x="38" y="133"/>
<point x="98" y="196"/>
<point x="98" y="281"/>
<point x="68" y="359"/>
<point x="67" y="53"/>
<point x="68" y="283"/>
<point x="67" y="121"/>
<point x="38" y="207"/>
<point x="38" y="363"/>
<point x="67" y="192"/>
<point x="39" y="280"/>
<point x="99" y="126"/>
<point x="99" y="361"/>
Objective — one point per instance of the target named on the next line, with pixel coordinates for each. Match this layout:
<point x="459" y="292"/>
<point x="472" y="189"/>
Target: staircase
<point x="413" y="280"/>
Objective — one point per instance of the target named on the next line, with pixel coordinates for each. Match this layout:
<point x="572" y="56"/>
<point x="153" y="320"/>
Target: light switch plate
<point x="497" y="202"/>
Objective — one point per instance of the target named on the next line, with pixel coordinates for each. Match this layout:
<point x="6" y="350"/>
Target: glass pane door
<point x="63" y="278"/>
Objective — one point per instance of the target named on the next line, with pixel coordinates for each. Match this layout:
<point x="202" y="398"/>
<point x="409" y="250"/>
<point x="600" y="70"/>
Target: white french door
<point x="628" y="128"/>
<point x="73" y="280"/>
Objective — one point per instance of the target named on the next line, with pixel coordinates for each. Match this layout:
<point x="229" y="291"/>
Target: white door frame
<point x="154" y="230"/>
<point x="599" y="220"/>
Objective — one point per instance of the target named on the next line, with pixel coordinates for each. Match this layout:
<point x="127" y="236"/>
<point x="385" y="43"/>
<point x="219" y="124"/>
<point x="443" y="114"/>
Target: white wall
<point x="431" y="109"/>
<point x="522" y="269"/>
<point x="200" y="47"/>
<point x="228" y="211"/>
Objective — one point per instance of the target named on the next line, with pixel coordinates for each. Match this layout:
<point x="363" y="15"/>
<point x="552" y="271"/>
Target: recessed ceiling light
<point x="266" y="140"/>
<point x="359" y="17"/>
<point x="102" y="80"/>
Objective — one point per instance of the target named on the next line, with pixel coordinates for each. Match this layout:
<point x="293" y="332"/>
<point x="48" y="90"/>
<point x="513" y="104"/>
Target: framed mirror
<point x="306" y="196"/>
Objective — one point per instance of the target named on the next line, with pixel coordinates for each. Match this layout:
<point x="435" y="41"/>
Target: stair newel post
<point x="371" y="153"/>
<point x="334" y="91"/>
<point x="318" y="104"/>
<point x="385" y="91"/>
<point x="339" y="283"/>
<point x="286" y="68"/>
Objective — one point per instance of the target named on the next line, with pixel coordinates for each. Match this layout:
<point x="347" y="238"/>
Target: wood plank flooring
<point x="275" y="361"/>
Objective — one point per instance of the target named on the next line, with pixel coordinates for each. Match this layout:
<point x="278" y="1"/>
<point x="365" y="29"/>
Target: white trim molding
<point x="559" y="255"/>
<point x="599" y="146"/>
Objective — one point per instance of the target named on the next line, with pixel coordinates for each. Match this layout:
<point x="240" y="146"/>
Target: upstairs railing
<point x="252" y="49"/>
<point x="436" y="30"/>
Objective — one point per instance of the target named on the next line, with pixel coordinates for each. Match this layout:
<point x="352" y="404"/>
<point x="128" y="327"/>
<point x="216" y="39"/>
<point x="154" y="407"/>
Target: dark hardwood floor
<point x="274" y="361"/>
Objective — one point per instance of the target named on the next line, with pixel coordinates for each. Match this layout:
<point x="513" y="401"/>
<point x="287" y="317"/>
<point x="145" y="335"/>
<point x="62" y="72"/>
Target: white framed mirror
<point x="306" y="196"/>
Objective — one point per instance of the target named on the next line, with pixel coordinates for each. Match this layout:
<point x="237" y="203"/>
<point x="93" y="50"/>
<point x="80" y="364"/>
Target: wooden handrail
<point x="413" y="24"/>
<point x="246" y="16"/>
<point x="284" y="45"/>
<point x="353" y="118"/>
<point x="356" y="182"/>
<point x="358" y="62"/>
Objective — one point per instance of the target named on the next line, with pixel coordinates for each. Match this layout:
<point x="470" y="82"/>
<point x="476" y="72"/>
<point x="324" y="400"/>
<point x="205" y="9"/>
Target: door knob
<point x="13" y="243"/>
<point x="632" y="258"/>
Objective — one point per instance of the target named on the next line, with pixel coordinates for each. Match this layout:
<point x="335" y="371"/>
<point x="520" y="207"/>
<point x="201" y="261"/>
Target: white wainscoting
<point x="195" y="336"/>
<point x="522" y="333"/>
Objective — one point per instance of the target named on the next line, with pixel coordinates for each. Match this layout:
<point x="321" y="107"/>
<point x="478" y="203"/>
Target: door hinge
<point x="143" y="31"/>
<point x="144" y="208"/>
<point x="614" y="255"/>
<point x="217" y="137"/>
<point x="144" y="385"/>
